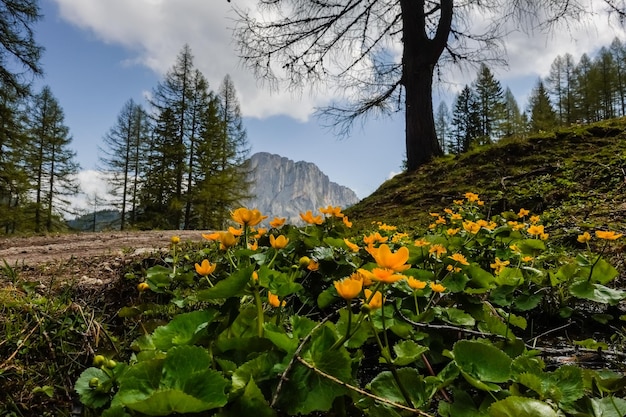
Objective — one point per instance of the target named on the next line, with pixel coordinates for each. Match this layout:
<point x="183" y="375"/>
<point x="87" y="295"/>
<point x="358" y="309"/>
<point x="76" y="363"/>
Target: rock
<point x="284" y="188"/>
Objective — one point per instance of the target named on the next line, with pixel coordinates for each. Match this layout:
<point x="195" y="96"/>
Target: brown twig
<point x="19" y="346"/>
<point x="361" y="391"/>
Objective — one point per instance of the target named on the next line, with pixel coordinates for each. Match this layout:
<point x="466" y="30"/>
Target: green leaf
<point x="46" y="389"/>
<point x="479" y="278"/>
<point x="90" y="395"/>
<point x="250" y="403"/>
<point x="512" y="277"/>
<point x="463" y="406"/>
<point x="183" y="329"/>
<point x="565" y="273"/>
<point x="407" y="351"/>
<point x="385" y="385"/>
<point x="521" y="407"/>
<point x="455" y="316"/>
<point x="596" y="292"/>
<point x="115" y="412"/>
<point x="603" y="272"/>
<point x="258" y="369"/>
<point x="229" y="287"/>
<point x="608" y="407"/>
<point x="526" y="302"/>
<point x="280" y="338"/>
<point x="591" y="344"/>
<point x="531" y="246"/>
<point x="158" y="278"/>
<point x="482" y="361"/>
<point x="358" y="337"/>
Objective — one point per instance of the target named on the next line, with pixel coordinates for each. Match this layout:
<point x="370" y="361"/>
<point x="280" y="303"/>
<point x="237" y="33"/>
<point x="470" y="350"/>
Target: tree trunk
<point x="418" y="62"/>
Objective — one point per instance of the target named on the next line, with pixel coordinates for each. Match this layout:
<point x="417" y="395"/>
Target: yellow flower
<point x="142" y="286"/>
<point x="437" y="287"/>
<point x="457" y="202"/>
<point x="375" y="300"/>
<point x="211" y="236"/>
<point x="255" y="275"/>
<point x="456" y="216"/>
<point x="332" y="211"/>
<point x="205" y="268"/>
<point x="471" y="197"/>
<point x="421" y="242"/>
<point x="448" y="211"/>
<point x="366" y="276"/>
<point x="253" y="246"/>
<point x="394" y="261"/>
<point x="310" y="219"/>
<point x="374" y="238"/>
<point x="523" y="213"/>
<point x="346" y="222"/>
<point x="452" y="268"/>
<point x="260" y="233"/>
<point x="452" y="232"/>
<point x="274" y="300"/>
<point x="534" y="219"/>
<point x="348" y="288"/>
<point x="387" y="228"/>
<point x="278" y="242"/>
<point x="516" y="225"/>
<point x="388" y="276"/>
<point x="434" y="214"/>
<point x="277" y="222"/>
<point x="247" y="217"/>
<point x="585" y="237"/>
<point x="440" y="220"/>
<point x="459" y="258"/>
<point x="471" y="227"/>
<point x="235" y="232"/>
<point x="175" y="240"/>
<point x="515" y="248"/>
<point x="227" y="240"/>
<point x="437" y="249"/>
<point x="527" y="259"/>
<point x="313" y="266"/>
<point x="416" y="284"/>
<point x="544" y="236"/>
<point x="607" y="235"/>
<point x="480" y="202"/>
<point x="398" y="237"/>
<point x="499" y="265"/>
<point x="353" y="247"/>
<point x="535" y="230"/>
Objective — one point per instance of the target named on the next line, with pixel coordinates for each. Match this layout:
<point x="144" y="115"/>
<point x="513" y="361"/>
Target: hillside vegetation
<point x="575" y="176"/>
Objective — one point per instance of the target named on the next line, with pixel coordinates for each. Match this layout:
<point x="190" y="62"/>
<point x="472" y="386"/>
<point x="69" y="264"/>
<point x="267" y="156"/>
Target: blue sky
<point x="101" y="53"/>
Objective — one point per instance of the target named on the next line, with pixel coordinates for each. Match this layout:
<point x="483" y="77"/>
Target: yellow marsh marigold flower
<point x="346" y="222"/>
<point x="452" y="232"/>
<point x="536" y="230"/>
<point x="471" y="197"/>
<point x="471" y="227"/>
<point x="348" y="288"/>
<point x="527" y="259"/>
<point x="387" y="228"/>
<point x="332" y="211"/>
<point x="440" y="220"/>
<point x="437" y="287"/>
<point x="416" y="284"/>
<point x="498" y="266"/>
<point x="374" y="238"/>
<point x="452" y="268"/>
<point x="388" y="276"/>
<point x="523" y="213"/>
<point x="457" y="202"/>
<point x="607" y="235"/>
<point x="313" y="266"/>
<point x="516" y="225"/>
<point x="255" y="275"/>
<point x="456" y="217"/>
<point x="459" y="258"/>
<point x="515" y="248"/>
<point x="278" y="242"/>
<point x="175" y="240"/>
<point x="235" y="232"/>
<point x="227" y="240"/>
<point x="482" y="222"/>
<point x="310" y="219"/>
<point x="211" y="236"/>
<point x="394" y="261"/>
<point x="254" y="245"/>
<point x="448" y="211"/>
<point x="366" y="276"/>
<point x="398" y="237"/>
<point x="535" y="219"/>
<point x="437" y="250"/>
<point x="433" y="214"/>
<point x="584" y="238"/>
<point x="205" y="268"/>
<point x="277" y="222"/>
<point x="421" y="242"/>
<point x="247" y="217"/>
<point x="375" y="300"/>
<point x="142" y="286"/>
<point x="353" y="247"/>
<point x="261" y="231"/>
<point x="274" y="300"/>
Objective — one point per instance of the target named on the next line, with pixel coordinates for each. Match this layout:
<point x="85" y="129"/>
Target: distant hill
<point x="284" y="188"/>
<point x="98" y="221"/>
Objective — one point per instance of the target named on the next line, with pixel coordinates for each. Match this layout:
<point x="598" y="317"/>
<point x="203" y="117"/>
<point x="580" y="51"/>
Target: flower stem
<point x="259" y="311"/>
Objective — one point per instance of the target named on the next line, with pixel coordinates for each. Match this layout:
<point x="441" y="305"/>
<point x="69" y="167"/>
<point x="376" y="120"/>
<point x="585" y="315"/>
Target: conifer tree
<point x="604" y="83"/>
<point x="465" y="120"/>
<point x="618" y="50"/>
<point x="52" y="163"/>
<point x="542" y="114"/>
<point x="512" y="121"/>
<point x="123" y="158"/>
<point x="442" y="126"/>
<point x="489" y="99"/>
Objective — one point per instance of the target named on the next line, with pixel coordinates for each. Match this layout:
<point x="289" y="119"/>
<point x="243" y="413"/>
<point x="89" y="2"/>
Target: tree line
<point x="183" y="165"/>
<point x="586" y="91"/>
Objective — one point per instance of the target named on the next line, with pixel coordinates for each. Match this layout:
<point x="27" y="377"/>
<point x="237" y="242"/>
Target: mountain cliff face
<point x="285" y="188"/>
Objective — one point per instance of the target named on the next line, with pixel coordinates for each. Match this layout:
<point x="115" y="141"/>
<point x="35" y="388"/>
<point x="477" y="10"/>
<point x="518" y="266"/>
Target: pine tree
<point x="123" y="158"/>
<point x="512" y="122"/>
<point x="604" y="83"/>
<point x="618" y="50"/>
<point x="542" y="114"/>
<point x="442" y="126"/>
<point x="489" y="99"/>
<point x="52" y="163"/>
<point x="465" y="121"/>
<point x="587" y="107"/>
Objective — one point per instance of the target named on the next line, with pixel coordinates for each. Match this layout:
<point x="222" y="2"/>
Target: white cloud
<point x="93" y="192"/>
<point x="155" y="31"/>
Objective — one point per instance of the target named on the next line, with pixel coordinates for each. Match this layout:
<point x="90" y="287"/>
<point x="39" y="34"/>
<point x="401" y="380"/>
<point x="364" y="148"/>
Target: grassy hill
<point x="575" y="176"/>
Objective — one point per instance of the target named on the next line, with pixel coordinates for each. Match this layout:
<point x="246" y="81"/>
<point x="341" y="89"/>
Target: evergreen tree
<point x="123" y="158"/>
<point x="442" y="126"/>
<point x="618" y="51"/>
<point x="465" y="121"/>
<point x="604" y="83"/>
<point x="542" y="114"/>
<point x="489" y="99"/>
<point x="584" y="94"/>
<point x="512" y="122"/>
<point x="52" y="163"/>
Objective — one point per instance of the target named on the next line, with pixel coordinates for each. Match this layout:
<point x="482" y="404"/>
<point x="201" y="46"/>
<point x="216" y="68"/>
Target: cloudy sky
<point x="100" y="53"/>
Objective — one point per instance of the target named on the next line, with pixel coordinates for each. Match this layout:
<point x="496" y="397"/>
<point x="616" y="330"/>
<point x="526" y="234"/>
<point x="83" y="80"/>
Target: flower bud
<point x="111" y="364"/>
<point x="99" y="360"/>
<point x="304" y="261"/>
<point x="94" y="382"/>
